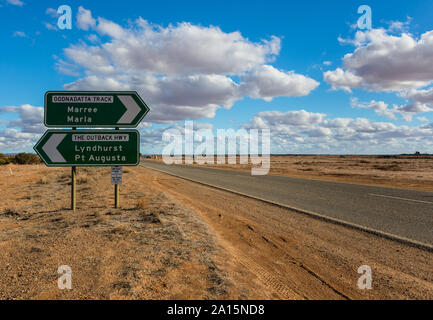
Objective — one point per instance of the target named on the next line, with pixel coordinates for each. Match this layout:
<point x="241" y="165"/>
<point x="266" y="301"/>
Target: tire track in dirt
<point x="295" y="261"/>
<point x="280" y="288"/>
<point x="277" y="286"/>
<point x="275" y="283"/>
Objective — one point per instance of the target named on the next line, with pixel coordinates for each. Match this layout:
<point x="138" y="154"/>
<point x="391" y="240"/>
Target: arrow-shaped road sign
<point x="50" y="147"/>
<point x="93" y="109"/>
<point x="63" y="148"/>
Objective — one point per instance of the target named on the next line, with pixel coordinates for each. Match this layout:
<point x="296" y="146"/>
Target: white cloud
<point x="409" y="110"/>
<point x="13" y="140"/>
<point x="337" y="123"/>
<point x="292" y="118"/>
<point x="267" y="82"/>
<point x="85" y="19"/>
<point x="420" y="101"/>
<point x="319" y="132"/>
<point x="66" y="68"/>
<point x="50" y="26"/>
<point x="422" y="96"/>
<point x="196" y="90"/>
<point x="15" y="2"/>
<point x="20" y="34"/>
<point x="176" y="98"/>
<point x="384" y="62"/>
<point x="52" y="12"/>
<point x="341" y="79"/>
<point x="93" y="38"/>
<point x="30" y="120"/>
<point x="92" y="58"/>
<point x="380" y="107"/>
<point x="183" y="49"/>
<point x="428" y="126"/>
<point x="107" y="27"/>
<point x="153" y="136"/>
<point x="22" y="132"/>
<point x="316" y="133"/>
<point x="182" y="71"/>
<point x="399" y="26"/>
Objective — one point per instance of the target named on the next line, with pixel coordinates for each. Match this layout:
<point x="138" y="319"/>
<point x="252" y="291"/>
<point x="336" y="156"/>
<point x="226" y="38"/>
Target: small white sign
<point x="116" y="175"/>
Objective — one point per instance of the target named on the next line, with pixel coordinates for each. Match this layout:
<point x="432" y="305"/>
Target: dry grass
<point x="141" y="204"/>
<point x="151" y="248"/>
<point x="43" y="180"/>
<point x="82" y="178"/>
<point x="9" y="212"/>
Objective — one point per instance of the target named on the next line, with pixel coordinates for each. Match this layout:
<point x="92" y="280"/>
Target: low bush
<point x="82" y="178"/>
<point x="43" y="180"/>
<point x="4" y="159"/>
<point x="141" y="204"/>
<point x="26" y="158"/>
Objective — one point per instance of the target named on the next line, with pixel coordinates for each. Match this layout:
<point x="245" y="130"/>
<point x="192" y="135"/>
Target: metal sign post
<point x="73" y="184"/>
<point x="116" y="179"/>
<point x="73" y="188"/>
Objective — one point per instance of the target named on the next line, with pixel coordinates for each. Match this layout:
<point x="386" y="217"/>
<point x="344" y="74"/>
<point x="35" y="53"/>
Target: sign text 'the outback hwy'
<point x="93" y="109"/>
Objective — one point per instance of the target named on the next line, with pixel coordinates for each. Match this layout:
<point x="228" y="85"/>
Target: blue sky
<point x="288" y="81"/>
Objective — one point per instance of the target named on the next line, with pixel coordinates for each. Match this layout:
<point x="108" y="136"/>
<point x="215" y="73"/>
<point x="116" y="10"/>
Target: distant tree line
<point x="20" y="158"/>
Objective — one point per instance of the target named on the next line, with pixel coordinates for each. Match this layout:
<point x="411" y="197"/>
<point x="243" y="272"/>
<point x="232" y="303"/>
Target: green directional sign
<point x="63" y="148"/>
<point x="93" y="109"/>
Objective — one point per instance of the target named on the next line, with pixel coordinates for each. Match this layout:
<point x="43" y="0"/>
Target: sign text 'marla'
<point x="89" y="148"/>
<point x="93" y="109"/>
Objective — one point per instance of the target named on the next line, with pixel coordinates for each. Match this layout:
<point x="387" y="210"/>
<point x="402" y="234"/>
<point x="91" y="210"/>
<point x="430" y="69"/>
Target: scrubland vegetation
<point x="20" y="158"/>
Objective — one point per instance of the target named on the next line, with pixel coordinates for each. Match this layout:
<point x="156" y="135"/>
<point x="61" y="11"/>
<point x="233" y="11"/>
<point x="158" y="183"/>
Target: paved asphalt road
<point x="405" y="213"/>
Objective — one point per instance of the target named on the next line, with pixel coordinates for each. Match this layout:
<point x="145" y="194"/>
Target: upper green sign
<point x="94" y="109"/>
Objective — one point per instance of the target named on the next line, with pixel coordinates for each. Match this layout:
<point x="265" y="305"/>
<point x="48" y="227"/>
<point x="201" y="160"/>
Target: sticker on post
<point x="116" y="175"/>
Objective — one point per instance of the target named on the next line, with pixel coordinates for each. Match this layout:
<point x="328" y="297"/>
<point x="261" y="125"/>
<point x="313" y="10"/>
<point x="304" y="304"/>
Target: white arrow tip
<point x="132" y="109"/>
<point x="50" y="147"/>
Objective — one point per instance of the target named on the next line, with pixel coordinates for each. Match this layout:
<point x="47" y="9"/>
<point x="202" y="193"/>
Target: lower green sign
<point x="65" y="148"/>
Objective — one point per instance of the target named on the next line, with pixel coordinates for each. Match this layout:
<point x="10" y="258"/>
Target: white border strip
<point x="398" y="198"/>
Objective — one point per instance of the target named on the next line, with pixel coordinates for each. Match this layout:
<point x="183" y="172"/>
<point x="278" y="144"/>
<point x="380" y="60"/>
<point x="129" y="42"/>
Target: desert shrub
<point x="26" y="158"/>
<point x="82" y="178"/>
<point x="4" y="159"/>
<point x="63" y="177"/>
<point x="391" y="167"/>
<point x="43" y="180"/>
<point x="141" y="204"/>
<point x="10" y="212"/>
